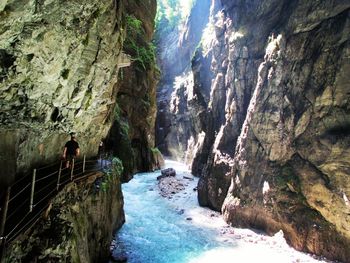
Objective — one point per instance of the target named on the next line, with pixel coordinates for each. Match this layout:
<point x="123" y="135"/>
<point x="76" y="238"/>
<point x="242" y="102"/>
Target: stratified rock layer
<point x="60" y="62"/>
<point x="270" y="140"/>
<point x="289" y="168"/>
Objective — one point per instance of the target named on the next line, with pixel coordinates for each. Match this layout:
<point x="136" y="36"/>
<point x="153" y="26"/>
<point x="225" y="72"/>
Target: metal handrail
<point x="84" y="167"/>
<point x="17" y="209"/>
<point x="45" y="177"/>
<point x="24" y="188"/>
<point x="46" y="187"/>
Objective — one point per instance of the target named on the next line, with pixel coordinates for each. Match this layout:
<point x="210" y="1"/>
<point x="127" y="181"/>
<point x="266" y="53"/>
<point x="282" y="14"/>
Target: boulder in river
<point x="167" y="173"/>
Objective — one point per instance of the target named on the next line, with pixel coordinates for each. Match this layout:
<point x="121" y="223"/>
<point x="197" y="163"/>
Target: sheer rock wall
<point x="59" y="66"/>
<point x="175" y="51"/>
<point x="132" y="137"/>
<point x="269" y="111"/>
<point x="290" y="162"/>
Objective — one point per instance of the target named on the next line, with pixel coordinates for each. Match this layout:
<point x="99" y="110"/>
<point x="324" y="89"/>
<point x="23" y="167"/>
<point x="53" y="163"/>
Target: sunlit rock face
<point x="176" y="48"/>
<point x="272" y="139"/>
<point x="264" y="118"/>
<point x="59" y="69"/>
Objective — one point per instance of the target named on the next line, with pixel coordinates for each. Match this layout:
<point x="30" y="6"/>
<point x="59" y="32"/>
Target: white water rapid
<point x="177" y="230"/>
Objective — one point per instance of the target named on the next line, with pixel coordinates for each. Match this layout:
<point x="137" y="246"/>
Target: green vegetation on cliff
<point x="115" y="171"/>
<point x="143" y="54"/>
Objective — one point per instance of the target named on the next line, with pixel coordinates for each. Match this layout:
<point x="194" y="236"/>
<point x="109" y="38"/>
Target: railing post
<point x="84" y="163"/>
<point x="59" y="176"/>
<point x="32" y="192"/>
<point x="72" y="170"/>
<point x="3" y="223"/>
<point x="4" y="212"/>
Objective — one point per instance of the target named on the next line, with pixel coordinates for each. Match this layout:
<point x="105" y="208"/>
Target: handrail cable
<point x="82" y="170"/>
<point x="45" y="177"/>
<point x="21" y="179"/>
<point x="44" y="198"/>
<point x="44" y="188"/>
<point x="65" y="182"/>
<point x="20" y="222"/>
<point x="17" y="209"/>
<point x="24" y="188"/>
<point x="22" y="228"/>
<point x="47" y="166"/>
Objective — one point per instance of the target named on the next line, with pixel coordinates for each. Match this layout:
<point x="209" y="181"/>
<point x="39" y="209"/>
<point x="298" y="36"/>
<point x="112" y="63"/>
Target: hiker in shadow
<point x="71" y="149"/>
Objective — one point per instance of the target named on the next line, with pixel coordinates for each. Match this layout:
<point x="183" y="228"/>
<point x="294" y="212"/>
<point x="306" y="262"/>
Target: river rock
<point x="119" y="258"/>
<point x="167" y="173"/>
<point x="168" y="186"/>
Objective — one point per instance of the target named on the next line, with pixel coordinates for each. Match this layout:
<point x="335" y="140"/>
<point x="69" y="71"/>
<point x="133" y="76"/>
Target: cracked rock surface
<point x="268" y="131"/>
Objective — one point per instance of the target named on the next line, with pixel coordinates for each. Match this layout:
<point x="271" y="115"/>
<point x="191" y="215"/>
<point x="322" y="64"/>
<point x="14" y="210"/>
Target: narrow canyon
<point x="252" y="96"/>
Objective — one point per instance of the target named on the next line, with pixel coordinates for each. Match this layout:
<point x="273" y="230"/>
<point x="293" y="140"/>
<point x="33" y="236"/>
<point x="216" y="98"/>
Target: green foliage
<point x="117" y="112"/>
<point x="155" y="150"/>
<point x="118" y="167"/>
<point x="133" y="25"/>
<point x="124" y="127"/>
<point x="104" y="186"/>
<point x="143" y="54"/>
<point x="111" y="174"/>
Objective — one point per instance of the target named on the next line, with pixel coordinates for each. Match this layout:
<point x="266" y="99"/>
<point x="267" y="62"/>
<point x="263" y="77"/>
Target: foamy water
<point x="177" y="230"/>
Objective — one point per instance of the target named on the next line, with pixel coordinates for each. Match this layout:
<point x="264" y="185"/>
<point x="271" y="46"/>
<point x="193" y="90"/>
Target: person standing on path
<point x="71" y="149"/>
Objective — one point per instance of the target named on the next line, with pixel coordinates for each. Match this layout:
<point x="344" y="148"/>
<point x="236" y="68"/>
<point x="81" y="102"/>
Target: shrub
<point x="143" y="54"/>
<point x="117" y="165"/>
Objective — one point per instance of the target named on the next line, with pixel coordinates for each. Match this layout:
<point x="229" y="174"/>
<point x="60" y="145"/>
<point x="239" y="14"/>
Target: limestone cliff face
<point x="289" y="170"/>
<point x="59" y="69"/>
<point x="269" y="111"/>
<point x="175" y="50"/>
<point x="60" y="65"/>
<point x="78" y="225"/>
<point x="132" y="134"/>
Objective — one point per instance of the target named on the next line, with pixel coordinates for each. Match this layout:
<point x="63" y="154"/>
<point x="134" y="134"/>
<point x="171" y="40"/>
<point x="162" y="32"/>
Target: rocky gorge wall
<point x="60" y="62"/>
<point x="175" y="48"/>
<point x="132" y="137"/>
<point x="60" y="72"/>
<point x="269" y="117"/>
<point x="77" y="226"/>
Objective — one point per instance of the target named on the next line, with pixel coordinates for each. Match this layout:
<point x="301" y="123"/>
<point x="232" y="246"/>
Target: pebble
<point x="121" y="257"/>
<point x="181" y="211"/>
